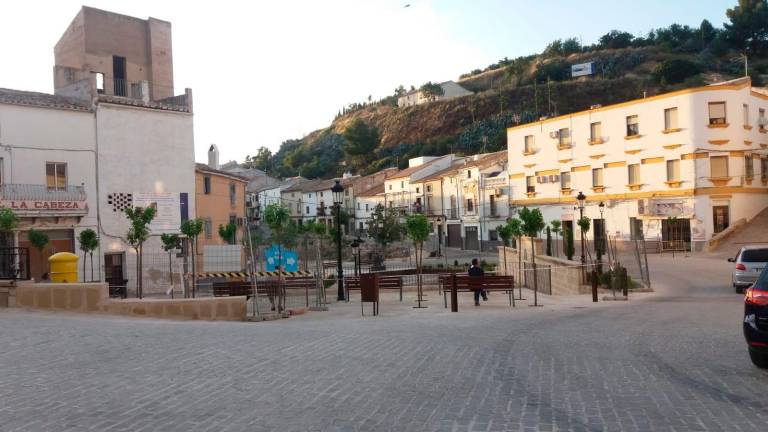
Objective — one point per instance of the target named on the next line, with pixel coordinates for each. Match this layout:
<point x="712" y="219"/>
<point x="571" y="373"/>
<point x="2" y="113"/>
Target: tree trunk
<point x="91" y="254"/>
<point x="84" y="259"/>
<point x="535" y="274"/>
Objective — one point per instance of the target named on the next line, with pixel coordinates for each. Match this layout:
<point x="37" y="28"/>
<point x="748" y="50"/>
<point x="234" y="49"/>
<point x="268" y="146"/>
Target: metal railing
<point x="39" y="192"/>
<point x="14" y="263"/>
<point x="140" y="90"/>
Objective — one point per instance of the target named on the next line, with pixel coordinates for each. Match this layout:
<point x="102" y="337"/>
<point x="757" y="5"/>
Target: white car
<point x="750" y="261"/>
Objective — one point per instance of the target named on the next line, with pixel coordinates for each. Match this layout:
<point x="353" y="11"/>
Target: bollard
<point x="624" y="282"/>
<point x="594" y="286"/>
<point x="454" y="295"/>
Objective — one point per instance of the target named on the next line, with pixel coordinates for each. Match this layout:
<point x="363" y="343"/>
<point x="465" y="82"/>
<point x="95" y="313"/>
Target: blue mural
<point x="290" y="259"/>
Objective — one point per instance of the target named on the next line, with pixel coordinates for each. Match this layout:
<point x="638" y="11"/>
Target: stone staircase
<point x="751" y="232"/>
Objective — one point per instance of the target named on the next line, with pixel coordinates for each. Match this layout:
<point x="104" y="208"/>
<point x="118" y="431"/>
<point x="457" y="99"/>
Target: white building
<point x="403" y="189"/>
<point x="416" y="97"/>
<point x="698" y="155"/>
<point x="110" y="143"/>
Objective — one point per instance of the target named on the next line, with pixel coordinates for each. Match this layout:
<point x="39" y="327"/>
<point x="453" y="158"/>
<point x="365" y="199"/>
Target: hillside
<point x="521" y="90"/>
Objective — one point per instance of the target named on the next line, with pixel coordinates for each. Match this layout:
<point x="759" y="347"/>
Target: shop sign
<point x="39" y="205"/>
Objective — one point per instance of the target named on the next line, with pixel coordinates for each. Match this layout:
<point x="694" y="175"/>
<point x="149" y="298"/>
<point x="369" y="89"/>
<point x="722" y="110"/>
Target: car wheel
<point x="759" y="359"/>
<point x="738" y="289"/>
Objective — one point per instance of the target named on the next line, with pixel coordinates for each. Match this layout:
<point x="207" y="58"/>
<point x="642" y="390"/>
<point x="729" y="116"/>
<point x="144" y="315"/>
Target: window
<point x="208" y="228"/>
<point x="746" y="114"/>
<point x="717" y="113"/>
<point x="1" y="171"/>
<point x="565" y="180"/>
<point x="390" y="187"/>
<point x="597" y="177"/>
<point x="529" y="144"/>
<point x="492" y="205"/>
<point x="761" y="119"/>
<point x="633" y="171"/>
<point x="361" y="226"/>
<point x="298" y="208"/>
<point x="673" y="170"/>
<point x="670" y="118"/>
<point x="469" y="174"/>
<point x="417" y="190"/>
<point x="564" y="137"/>
<point x="429" y="188"/>
<point x="530" y="185"/>
<point x="366" y="206"/>
<point x="749" y="167"/>
<point x="493" y="235"/>
<point x="346" y="192"/>
<point x="633" y="127"/>
<point x="596" y="132"/>
<point x="402" y="185"/>
<point x="470" y="205"/>
<point x="764" y="169"/>
<point x="56" y="175"/>
<point x="718" y="166"/>
<point x="232" y="194"/>
<point x="307" y="210"/>
<point x="358" y="206"/>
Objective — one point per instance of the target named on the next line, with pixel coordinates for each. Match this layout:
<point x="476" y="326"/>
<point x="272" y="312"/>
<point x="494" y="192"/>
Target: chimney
<point x="213" y="157"/>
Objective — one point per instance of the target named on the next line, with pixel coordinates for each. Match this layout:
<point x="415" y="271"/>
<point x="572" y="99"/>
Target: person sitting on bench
<point x="476" y="270"/>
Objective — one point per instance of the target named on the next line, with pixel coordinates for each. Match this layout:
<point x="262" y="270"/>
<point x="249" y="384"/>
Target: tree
<point x="278" y="219"/>
<point x="748" y="29"/>
<point x="583" y="223"/>
<point x="569" y="249"/>
<point x="533" y="223"/>
<point x="8" y="222"/>
<point x="88" y="241"/>
<point x="309" y="231"/>
<point x="556" y="227"/>
<point x="400" y="91"/>
<point x="192" y="228"/>
<point x="261" y="160"/>
<point x="616" y="39"/>
<point x="384" y="227"/>
<point x="171" y="242"/>
<point x="228" y="232"/>
<point x="38" y="239"/>
<point x="418" y="229"/>
<point x="138" y="233"/>
<point x="360" y="142"/>
<point x="673" y="71"/>
<point x="505" y="233"/>
<point x="516" y="230"/>
<point x="431" y="91"/>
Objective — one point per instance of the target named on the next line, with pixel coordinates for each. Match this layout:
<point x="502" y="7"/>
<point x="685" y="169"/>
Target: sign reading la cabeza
<point x="31" y="205"/>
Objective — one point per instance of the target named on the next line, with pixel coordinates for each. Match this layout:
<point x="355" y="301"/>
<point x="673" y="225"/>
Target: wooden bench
<point x="268" y="287"/>
<point x="352" y="283"/>
<point x="465" y="283"/>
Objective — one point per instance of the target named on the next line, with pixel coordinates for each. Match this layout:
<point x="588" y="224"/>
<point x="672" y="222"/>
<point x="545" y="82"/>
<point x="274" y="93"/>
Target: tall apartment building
<point x="112" y="136"/>
<point x="678" y="167"/>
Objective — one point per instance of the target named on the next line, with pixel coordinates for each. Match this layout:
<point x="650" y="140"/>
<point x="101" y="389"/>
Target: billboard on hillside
<point x="582" y="69"/>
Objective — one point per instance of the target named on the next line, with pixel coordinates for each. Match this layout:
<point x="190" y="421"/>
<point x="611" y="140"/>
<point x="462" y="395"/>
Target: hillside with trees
<point x="368" y="136"/>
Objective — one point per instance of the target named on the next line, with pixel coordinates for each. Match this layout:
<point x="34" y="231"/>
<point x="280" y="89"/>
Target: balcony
<point x="33" y="200"/>
<point x="126" y="92"/>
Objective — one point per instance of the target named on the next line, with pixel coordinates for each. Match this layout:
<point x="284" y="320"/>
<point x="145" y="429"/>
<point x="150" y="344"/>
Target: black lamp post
<point x="581" y="198"/>
<point x="338" y="196"/>
<point x="439" y="236"/>
<point x="601" y="243"/>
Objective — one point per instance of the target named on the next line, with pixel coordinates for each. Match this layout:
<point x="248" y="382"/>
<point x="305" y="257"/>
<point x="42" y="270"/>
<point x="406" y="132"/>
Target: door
<point x="470" y="236"/>
<point x="676" y="234"/>
<point x="118" y="75"/>
<point x="58" y="241"/>
<point x="598" y="233"/>
<point x="568" y="226"/>
<point x="113" y="268"/>
<point x="720" y="218"/>
<point x="454" y="235"/>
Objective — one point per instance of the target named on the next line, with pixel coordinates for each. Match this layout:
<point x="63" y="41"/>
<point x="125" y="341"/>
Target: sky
<point x="265" y="72"/>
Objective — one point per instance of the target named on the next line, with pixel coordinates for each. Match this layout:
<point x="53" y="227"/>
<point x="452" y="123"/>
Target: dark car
<point x="756" y="320"/>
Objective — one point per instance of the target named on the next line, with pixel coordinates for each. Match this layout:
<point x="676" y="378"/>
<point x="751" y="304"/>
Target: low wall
<point x="566" y="275"/>
<point x="210" y="309"/>
<point x="94" y="298"/>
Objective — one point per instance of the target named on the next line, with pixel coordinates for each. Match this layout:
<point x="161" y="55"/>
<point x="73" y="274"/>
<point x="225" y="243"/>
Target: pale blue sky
<point x="266" y="71"/>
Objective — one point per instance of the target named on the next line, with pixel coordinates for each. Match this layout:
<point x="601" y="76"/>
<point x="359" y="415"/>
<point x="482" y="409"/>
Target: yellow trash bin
<point x="63" y="267"/>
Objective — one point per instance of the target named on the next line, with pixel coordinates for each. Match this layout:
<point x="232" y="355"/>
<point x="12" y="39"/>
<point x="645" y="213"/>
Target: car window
<point x="754" y="255"/>
<point x="762" y="281"/>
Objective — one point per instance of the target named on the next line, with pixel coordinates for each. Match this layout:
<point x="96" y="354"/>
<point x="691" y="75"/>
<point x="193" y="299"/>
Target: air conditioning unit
<point x="554" y="178"/>
<point x="643" y="207"/>
<point x="497" y="192"/>
<point x="762" y="122"/>
<point x="554" y="134"/>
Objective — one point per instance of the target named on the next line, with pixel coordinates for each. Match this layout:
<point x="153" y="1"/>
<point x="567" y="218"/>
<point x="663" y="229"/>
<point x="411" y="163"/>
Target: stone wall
<point x="93" y="298"/>
<point x="566" y="275"/>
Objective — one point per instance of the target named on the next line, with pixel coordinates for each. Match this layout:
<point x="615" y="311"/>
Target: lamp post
<point x="338" y="196"/>
<point x="601" y="243"/>
<point x="439" y="235"/>
<point x="581" y="198"/>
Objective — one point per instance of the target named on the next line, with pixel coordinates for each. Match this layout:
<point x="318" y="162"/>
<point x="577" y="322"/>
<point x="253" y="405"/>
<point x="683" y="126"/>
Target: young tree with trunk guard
<point x="192" y="228"/>
<point x="138" y="233"/>
<point x="533" y="223"/>
<point x="418" y="229"/>
<point x="89" y="241"/>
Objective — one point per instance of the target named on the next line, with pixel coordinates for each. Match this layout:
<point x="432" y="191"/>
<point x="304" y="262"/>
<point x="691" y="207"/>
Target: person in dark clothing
<point x="476" y="270"/>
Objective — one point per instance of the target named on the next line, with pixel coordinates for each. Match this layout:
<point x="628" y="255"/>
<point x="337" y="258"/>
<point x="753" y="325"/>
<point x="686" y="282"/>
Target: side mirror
<point x="731" y="259"/>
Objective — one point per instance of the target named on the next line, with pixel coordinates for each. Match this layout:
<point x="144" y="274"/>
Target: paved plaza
<point x="673" y="360"/>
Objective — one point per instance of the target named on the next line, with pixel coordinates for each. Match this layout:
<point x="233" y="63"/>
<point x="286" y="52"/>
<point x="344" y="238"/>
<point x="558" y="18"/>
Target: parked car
<point x="750" y="261"/>
<point x="756" y="320"/>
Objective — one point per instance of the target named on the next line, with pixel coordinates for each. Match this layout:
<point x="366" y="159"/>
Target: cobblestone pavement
<point x="671" y="361"/>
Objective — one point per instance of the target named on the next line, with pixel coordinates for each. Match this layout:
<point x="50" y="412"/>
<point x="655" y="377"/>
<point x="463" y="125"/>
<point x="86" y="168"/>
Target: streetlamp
<point x="581" y="198"/>
<point x="338" y="196"/>
<point x="439" y="235"/>
<point x="601" y="242"/>
<point x="356" y="250"/>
